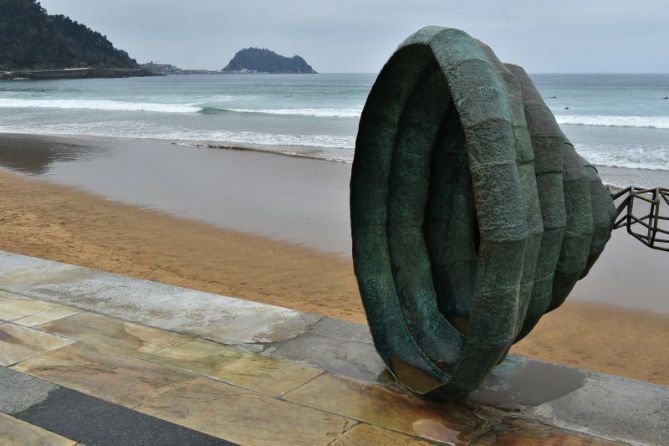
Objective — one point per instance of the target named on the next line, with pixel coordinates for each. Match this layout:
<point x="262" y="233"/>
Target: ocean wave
<point x="630" y="157"/>
<point x="329" y="147"/>
<point x="312" y="112"/>
<point x="148" y="131"/>
<point x="157" y="107"/>
<point x="653" y="122"/>
<point x="107" y="105"/>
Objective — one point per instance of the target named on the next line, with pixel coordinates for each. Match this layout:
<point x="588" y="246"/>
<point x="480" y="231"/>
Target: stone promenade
<point x="98" y="359"/>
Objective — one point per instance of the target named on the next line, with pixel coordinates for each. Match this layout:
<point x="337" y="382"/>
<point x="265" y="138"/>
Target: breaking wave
<point x="82" y="104"/>
<point x="157" y="107"/>
<point x="313" y="112"/>
<point x="652" y="122"/>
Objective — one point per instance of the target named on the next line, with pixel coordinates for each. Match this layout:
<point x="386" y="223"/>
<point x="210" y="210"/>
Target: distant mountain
<point x="32" y="39"/>
<point x="257" y="60"/>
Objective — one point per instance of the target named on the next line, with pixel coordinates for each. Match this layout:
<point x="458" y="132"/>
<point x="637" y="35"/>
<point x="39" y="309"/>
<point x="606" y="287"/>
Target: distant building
<point x="159" y="68"/>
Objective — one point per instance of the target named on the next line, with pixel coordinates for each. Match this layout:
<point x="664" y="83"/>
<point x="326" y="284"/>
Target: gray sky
<point x="359" y="35"/>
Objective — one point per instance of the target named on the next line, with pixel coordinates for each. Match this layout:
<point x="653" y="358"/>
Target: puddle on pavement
<point x="522" y="382"/>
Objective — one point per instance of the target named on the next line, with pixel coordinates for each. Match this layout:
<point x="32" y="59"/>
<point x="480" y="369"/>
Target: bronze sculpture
<point x="472" y="215"/>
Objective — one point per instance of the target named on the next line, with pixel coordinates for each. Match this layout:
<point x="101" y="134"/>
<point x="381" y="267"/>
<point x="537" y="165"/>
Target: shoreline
<point x="641" y="176"/>
<point x="309" y="152"/>
<point x="57" y="222"/>
<point x="294" y="199"/>
<point x="297" y="200"/>
<point x="74" y="73"/>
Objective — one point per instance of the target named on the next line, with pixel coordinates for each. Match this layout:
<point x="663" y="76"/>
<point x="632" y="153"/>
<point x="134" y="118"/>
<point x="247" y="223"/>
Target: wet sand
<point x="296" y="200"/>
<point x="285" y="267"/>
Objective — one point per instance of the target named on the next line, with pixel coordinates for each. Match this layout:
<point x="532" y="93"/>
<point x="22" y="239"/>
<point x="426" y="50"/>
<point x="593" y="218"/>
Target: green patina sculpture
<point x="472" y="215"/>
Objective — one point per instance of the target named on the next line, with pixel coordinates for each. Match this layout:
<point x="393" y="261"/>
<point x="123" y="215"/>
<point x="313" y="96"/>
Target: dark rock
<point x="256" y="60"/>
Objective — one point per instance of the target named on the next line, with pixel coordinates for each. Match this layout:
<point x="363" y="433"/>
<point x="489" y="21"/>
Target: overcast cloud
<point x="359" y="35"/>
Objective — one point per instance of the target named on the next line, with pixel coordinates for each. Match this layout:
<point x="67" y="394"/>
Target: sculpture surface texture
<point x="472" y="215"/>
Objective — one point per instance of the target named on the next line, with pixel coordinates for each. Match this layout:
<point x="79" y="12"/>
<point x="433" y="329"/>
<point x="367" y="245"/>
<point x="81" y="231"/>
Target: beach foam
<point x="637" y="157"/>
<point x="329" y="147"/>
<point x="314" y="112"/>
<point x="653" y="122"/>
<point x="108" y="105"/>
<point x="157" y="107"/>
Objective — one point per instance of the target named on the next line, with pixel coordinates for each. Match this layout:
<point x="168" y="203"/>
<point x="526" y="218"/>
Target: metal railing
<point x="645" y="214"/>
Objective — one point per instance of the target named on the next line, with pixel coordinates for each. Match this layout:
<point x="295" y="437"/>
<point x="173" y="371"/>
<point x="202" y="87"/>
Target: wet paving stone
<point x="112" y="335"/>
<point x="18" y="343"/>
<point x="268" y="375"/>
<point x="14" y="432"/>
<point x="245" y="417"/>
<point x="354" y="359"/>
<point x="366" y="435"/>
<point x="113" y="378"/>
<point x="257" y="399"/>
<point x="50" y="315"/>
<point x="95" y="422"/>
<point x="449" y="423"/>
<point x="526" y="433"/>
<point x="14" y="307"/>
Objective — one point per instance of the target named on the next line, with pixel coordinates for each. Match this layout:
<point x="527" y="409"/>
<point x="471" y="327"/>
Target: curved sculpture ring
<point x="472" y="215"/>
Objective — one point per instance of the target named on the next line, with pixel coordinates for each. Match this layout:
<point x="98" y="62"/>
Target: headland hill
<point x="37" y="45"/>
<point x="263" y="60"/>
<point x="246" y="61"/>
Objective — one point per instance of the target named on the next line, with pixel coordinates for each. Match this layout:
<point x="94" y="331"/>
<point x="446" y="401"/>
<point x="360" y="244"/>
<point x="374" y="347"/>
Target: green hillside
<point x="266" y="61"/>
<point x="32" y="39"/>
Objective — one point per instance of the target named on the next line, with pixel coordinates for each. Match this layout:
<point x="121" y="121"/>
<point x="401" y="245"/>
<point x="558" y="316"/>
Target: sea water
<point x="615" y="120"/>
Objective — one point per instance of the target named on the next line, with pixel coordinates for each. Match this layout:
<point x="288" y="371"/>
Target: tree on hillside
<point x="32" y="39"/>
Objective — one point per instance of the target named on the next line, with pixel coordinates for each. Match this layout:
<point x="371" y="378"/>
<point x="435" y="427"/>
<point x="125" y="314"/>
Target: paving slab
<point x="50" y="315"/>
<point x="13" y="307"/>
<point x="245" y="417"/>
<point x="18" y="343"/>
<point x="219" y="318"/>
<point x="273" y="376"/>
<point x="368" y="435"/>
<point x="353" y="359"/>
<point x="19" y="391"/>
<point x="575" y="405"/>
<point x="121" y="380"/>
<point x="59" y="416"/>
<point x="14" y="432"/>
<point x="521" y="432"/>
<point x="446" y="423"/>
<point x="611" y="407"/>
<point x="112" y="335"/>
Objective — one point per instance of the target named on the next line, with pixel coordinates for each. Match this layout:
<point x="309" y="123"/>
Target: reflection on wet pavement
<point x="521" y="382"/>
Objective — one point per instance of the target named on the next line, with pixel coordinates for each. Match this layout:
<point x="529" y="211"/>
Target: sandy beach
<point x="92" y="218"/>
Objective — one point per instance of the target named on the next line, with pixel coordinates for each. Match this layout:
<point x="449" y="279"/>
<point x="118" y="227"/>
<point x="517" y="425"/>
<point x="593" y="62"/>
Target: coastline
<point x="75" y="73"/>
<point x="58" y="222"/>
<point x="298" y="200"/>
